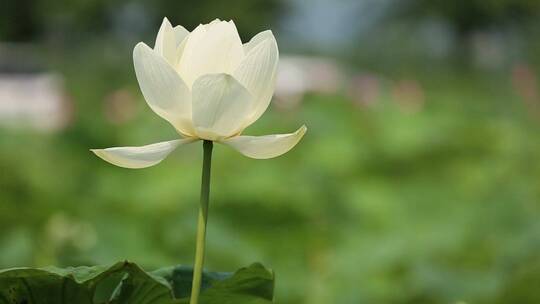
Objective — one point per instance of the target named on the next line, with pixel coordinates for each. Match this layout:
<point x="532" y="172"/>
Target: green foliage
<point x="125" y="282"/>
<point x="470" y="15"/>
<point x="378" y="204"/>
<point x="62" y="19"/>
<point x="389" y="202"/>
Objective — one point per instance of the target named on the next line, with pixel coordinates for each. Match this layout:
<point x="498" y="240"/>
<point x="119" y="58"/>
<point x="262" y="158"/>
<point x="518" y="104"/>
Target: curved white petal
<point x="260" y="37"/>
<point x="164" y="90"/>
<point x="166" y="42"/>
<point x="140" y="157"/>
<point x="180" y="33"/>
<point x="181" y="38"/>
<point x="268" y="146"/>
<point x="220" y="106"/>
<point x="257" y="72"/>
<point x="211" y="48"/>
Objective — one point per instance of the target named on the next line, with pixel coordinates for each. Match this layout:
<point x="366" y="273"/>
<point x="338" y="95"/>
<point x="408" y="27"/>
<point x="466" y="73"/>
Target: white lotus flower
<point x="209" y="86"/>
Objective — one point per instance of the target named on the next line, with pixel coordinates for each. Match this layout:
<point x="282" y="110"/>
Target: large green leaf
<point x="126" y="282"/>
<point x="249" y="285"/>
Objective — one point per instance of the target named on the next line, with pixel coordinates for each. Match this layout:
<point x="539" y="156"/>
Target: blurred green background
<point x="417" y="182"/>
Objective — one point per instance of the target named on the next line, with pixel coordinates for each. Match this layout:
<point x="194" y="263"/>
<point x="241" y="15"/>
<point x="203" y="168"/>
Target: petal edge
<point x="221" y="106"/>
<point x="142" y="156"/>
<point x="267" y="146"/>
<point x="257" y="72"/>
<point x="163" y="89"/>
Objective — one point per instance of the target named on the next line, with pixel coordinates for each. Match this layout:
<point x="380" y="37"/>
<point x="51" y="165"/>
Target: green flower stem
<point x="201" y="225"/>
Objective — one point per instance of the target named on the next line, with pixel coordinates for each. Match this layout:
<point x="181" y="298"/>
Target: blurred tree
<point x="250" y="16"/>
<point x="468" y="15"/>
<point x="18" y="20"/>
<point x="27" y="20"/>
